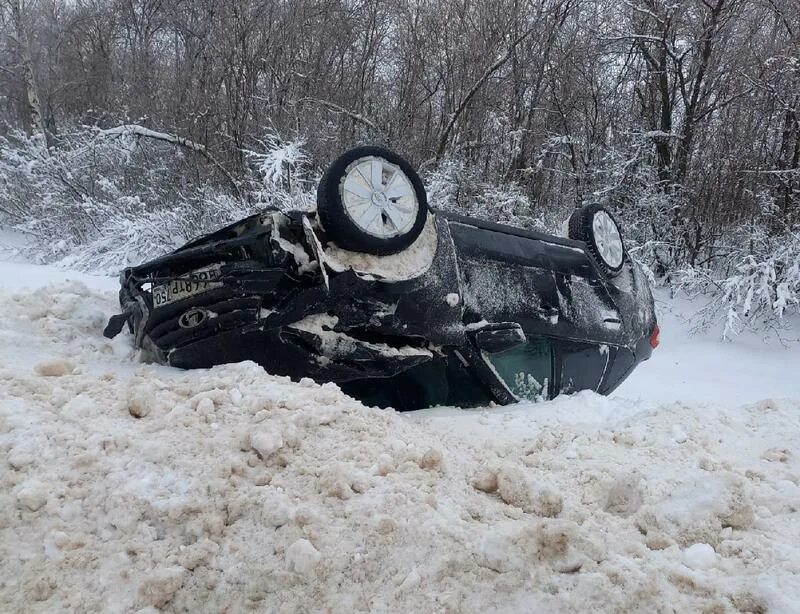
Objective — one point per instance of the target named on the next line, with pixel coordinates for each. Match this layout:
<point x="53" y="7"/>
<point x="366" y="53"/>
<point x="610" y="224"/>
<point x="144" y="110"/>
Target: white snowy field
<point x="126" y="486"/>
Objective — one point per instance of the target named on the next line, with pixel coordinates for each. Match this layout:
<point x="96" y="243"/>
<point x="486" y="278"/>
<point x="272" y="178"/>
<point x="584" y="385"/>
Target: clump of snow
<point x="32" y="495"/>
<point x="485" y="480"/>
<point x="298" y="253"/>
<point x="159" y="586"/>
<point x="517" y="546"/>
<point x="699" y="556"/>
<point x="431" y="459"/>
<point x="302" y="557"/>
<point x="336" y="343"/>
<point x="139" y="401"/>
<point x="266" y="443"/>
<point x="407" y="264"/>
<point x="452" y="299"/>
<point x="515" y="487"/>
<point x="624" y="496"/>
<point x="135" y="487"/>
<point x="700" y="509"/>
<point x="54" y="368"/>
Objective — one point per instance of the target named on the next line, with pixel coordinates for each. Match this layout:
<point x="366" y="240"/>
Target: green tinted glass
<point x="526" y="369"/>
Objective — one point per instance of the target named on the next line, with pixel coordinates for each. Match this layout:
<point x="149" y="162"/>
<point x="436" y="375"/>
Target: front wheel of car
<point x="596" y="227"/>
<point x="371" y="200"/>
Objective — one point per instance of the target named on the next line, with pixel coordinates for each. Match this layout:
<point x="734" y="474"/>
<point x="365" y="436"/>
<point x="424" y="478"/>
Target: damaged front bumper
<point x="264" y="289"/>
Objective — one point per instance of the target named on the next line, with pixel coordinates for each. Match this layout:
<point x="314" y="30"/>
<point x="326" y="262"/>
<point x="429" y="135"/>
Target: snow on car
<point x="399" y="305"/>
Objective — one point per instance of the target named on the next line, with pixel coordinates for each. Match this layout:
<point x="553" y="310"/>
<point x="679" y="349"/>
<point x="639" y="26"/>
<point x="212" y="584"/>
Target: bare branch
<point x="623" y="37"/>
<point x="724" y="103"/>
<point x="641" y="9"/>
<point x="474" y="90"/>
<point x="352" y="114"/>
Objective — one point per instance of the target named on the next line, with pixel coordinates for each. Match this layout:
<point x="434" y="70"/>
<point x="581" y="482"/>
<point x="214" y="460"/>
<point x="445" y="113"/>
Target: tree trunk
<point x="789" y="163"/>
<point x="34" y="107"/>
<point x="657" y="69"/>
<point x="695" y="99"/>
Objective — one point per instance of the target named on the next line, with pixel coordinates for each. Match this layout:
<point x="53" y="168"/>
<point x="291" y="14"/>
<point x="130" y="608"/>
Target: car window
<point x="582" y="366"/>
<point x="441" y="381"/>
<point x="526" y="369"/>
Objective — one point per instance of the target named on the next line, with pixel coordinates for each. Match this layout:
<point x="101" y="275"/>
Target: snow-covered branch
<point x="128" y="130"/>
<point x="136" y="130"/>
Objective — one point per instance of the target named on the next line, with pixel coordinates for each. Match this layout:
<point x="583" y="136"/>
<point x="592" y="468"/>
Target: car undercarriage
<point x="466" y="313"/>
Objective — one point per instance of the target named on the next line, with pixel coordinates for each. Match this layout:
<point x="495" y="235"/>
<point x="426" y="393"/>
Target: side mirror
<point x="499" y="337"/>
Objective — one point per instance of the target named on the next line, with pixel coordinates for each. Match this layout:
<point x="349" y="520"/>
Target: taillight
<point x="654" y="341"/>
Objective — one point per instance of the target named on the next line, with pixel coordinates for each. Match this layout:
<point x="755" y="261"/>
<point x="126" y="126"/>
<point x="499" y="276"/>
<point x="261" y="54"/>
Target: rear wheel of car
<point x="596" y="227"/>
<point x="371" y="200"/>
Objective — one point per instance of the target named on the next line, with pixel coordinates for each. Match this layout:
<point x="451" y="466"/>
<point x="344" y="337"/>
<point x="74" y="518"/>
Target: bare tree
<point x="34" y="109"/>
<point x="685" y="110"/>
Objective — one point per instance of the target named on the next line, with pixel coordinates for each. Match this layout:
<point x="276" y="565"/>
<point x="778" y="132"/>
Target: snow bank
<point x="127" y="486"/>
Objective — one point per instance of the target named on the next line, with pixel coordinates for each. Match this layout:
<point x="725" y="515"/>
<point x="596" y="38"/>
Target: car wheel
<point x="596" y="227"/>
<point x="371" y="200"/>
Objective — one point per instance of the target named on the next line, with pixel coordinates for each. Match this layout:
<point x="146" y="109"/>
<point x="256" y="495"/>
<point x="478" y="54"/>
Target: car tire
<point x="371" y="200"/>
<point x="596" y="227"/>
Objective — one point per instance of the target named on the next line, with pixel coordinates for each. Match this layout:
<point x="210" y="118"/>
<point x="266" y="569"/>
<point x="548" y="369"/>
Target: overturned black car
<point x="397" y="304"/>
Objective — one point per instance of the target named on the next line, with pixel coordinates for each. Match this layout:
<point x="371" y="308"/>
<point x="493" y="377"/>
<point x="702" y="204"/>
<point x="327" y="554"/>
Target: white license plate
<point x="190" y="284"/>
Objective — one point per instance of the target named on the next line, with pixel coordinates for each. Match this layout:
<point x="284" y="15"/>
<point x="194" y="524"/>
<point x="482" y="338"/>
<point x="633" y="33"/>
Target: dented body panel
<point x="272" y="289"/>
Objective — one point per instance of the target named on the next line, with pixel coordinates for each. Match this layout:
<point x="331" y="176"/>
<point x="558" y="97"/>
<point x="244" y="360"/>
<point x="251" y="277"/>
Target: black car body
<point x="472" y="312"/>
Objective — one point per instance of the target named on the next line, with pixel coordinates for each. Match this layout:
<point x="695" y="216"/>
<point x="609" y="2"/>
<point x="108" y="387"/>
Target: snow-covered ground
<point x="126" y="486"/>
<point x="701" y="368"/>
